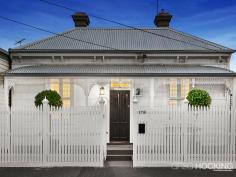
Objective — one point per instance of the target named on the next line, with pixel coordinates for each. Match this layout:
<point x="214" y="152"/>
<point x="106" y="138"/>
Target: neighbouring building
<point x="4" y="66"/>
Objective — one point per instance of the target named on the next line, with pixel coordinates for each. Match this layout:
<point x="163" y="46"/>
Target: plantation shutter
<point x="178" y="90"/>
<point x="173" y="92"/>
<point x="185" y="87"/>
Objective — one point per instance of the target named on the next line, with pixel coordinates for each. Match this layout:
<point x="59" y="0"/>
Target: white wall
<point x="154" y="91"/>
<point x="4" y="65"/>
<point x="79" y="96"/>
<point x="25" y="89"/>
<point x="2" y="100"/>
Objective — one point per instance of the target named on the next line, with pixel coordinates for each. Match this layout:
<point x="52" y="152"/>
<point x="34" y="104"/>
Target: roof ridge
<point x="207" y="42"/>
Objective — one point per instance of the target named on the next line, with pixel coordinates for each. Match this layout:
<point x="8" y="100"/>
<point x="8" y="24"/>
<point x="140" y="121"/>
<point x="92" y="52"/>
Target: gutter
<point x="122" y="74"/>
<point x="11" y="51"/>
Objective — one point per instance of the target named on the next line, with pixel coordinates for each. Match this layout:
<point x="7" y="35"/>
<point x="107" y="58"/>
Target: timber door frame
<point x="129" y="114"/>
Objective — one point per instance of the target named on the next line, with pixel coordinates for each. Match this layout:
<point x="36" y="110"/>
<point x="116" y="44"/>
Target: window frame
<point x="61" y="81"/>
<point x="179" y="88"/>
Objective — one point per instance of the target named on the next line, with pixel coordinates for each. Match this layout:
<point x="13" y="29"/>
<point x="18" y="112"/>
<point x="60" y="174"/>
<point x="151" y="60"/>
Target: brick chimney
<point x="81" y="19"/>
<point x="163" y="19"/>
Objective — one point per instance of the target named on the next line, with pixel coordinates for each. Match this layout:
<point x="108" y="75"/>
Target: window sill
<point x="176" y="98"/>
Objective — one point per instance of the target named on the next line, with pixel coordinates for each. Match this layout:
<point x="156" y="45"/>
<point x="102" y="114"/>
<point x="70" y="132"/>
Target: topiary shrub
<point x="54" y="99"/>
<point x="198" y="97"/>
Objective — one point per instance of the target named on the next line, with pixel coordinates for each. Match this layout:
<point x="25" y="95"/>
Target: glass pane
<point x="119" y="84"/>
<point x="184" y="87"/>
<point x="173" y="88"/>
<point x="66" y="89"/>
<point x="66" y="103"/>
<point x="54" y="85"/>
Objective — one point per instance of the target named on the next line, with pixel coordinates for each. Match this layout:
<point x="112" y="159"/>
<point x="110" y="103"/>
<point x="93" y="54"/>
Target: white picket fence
<point x="185" y="137"/>
<point x="52" y="137"/>
<point x="173" y="137"/>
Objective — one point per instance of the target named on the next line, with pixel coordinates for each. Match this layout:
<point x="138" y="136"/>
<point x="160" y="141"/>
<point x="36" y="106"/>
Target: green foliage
<point x="54" y="99"/>
<point x="198" y="97"/>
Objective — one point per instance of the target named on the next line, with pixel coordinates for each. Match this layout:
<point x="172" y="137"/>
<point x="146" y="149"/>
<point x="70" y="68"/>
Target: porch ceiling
<point x="120" y="70"/>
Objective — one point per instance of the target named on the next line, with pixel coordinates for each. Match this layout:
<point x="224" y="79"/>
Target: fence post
<point x="104" y="146"/>
<point x="185" y="133"/>
<point x="233" y="124"/>
<point x="9" y="115"/>
<point x="45" y="128"/>
<point x="135" y="136"/>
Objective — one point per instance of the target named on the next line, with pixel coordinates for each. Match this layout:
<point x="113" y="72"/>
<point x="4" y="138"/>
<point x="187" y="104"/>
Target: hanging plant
<point x="199" y="97"/>
<point x="54" y="99"/>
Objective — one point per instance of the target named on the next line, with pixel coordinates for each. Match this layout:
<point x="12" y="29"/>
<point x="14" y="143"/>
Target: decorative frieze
<point x="220" y="60"/>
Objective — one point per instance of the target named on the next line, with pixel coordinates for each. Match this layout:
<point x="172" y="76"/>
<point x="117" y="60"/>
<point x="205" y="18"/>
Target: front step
<point x="119" y="157"/>
<point x="119" y="152"/>
<point x="119" y="143"/>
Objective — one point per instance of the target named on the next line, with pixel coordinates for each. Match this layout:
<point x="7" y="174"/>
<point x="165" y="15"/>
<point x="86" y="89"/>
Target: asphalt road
<point x="111" y="172"/>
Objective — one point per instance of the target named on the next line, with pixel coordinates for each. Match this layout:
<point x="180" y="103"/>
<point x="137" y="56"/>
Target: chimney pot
<point x="163" y="19"/>
<point x="81" y="19"/>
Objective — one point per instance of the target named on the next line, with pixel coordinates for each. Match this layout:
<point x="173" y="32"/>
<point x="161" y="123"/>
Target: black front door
<point x="119" y="115"/>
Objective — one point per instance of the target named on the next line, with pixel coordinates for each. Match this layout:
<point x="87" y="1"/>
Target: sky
<point x="213" y="20"/>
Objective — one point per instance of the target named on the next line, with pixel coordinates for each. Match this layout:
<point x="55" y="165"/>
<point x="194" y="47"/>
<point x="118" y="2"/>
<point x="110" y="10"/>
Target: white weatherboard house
<point x="145" y="69"/>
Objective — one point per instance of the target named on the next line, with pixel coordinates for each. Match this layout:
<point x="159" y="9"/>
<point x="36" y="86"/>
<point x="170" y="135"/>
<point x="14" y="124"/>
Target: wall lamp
<point x="102" y="91"/>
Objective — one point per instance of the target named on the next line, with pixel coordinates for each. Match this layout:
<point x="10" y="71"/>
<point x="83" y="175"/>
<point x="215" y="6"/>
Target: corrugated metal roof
<point x="120" y="70"/>
<point x="125" y="39"/>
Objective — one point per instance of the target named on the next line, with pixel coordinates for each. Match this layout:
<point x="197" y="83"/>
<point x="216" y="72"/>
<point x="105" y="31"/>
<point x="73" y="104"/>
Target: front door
<point x="119" y="115"/>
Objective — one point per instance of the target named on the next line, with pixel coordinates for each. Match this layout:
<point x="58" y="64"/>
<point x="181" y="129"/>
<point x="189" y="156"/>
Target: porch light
<point x="102" y="91"/>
